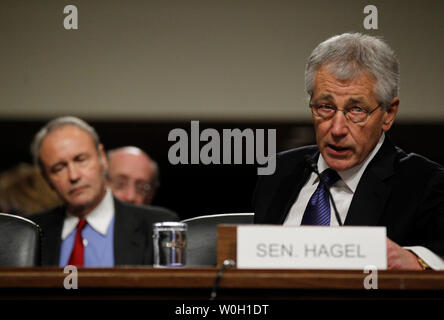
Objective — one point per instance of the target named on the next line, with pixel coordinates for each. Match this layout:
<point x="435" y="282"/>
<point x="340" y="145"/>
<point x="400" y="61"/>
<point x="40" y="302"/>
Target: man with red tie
<point x="92" y="228"/>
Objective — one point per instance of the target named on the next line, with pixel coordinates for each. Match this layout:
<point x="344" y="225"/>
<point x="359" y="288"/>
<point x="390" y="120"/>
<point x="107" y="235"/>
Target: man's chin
<point x="79" y="203"/>
<point x="339" y="164"/>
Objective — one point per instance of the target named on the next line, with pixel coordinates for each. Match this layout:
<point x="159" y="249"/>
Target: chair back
<point x="20" y="242"/>
<point x="202" y="236"/>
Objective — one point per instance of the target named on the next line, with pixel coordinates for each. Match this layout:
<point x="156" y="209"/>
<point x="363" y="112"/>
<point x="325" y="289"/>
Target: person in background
<point x="91" y="228"/>
<point x="23" y="191"/>
<point x="132" y="175"/>
<point x="352" y="81"/>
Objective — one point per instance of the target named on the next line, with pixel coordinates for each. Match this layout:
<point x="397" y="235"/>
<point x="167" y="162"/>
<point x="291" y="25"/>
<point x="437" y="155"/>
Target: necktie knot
<point x="317" y="211"/>
<point x="81" y="225"/>
<point x="330" y="177"/>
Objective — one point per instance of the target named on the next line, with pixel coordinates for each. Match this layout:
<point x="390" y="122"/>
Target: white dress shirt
<point x="99" y="219"/>
<point x="342" y="192"/>
<point x="97" y="235"/>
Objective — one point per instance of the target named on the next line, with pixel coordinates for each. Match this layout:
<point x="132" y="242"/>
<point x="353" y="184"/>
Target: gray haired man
<point x="352" y="81"/>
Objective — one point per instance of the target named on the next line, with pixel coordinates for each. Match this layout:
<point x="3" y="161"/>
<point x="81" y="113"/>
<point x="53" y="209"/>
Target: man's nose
<point x="339" y="124"/>
<point x="129" y="195"/>
<point x="73" y="173"/>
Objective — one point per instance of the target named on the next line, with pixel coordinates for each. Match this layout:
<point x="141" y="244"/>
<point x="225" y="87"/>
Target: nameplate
<point x="291" y="247"/>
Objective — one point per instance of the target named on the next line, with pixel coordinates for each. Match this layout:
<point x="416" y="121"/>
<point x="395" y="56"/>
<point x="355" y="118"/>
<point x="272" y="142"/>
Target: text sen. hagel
<point x="230" y="145"/>
<point x="337" y="250"/>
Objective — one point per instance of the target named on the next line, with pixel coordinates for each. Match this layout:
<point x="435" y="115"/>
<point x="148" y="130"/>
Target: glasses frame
<point x="345" y="112"/>
<point x="124" y="185"/>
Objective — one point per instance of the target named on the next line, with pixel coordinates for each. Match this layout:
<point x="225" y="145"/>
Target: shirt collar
<point x="99" y="219"/>
<point x="351" y="176"/>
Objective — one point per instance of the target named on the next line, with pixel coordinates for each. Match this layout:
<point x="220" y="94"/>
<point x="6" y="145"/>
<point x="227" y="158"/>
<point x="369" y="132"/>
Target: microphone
<point x="314" y="167"/>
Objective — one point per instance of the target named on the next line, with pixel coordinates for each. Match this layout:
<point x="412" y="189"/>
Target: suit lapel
<point x="372" y="192"/>
<point x="129" y="239"/>
<point x="289" y="190"/>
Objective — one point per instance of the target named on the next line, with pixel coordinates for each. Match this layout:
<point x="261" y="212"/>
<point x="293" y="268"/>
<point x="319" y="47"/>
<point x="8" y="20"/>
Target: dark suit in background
<point x="133" y="242"/>
<point x="403" y="192"/>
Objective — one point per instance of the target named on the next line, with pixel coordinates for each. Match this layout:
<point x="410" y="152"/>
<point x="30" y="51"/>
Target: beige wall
<point x="201" y="60"/>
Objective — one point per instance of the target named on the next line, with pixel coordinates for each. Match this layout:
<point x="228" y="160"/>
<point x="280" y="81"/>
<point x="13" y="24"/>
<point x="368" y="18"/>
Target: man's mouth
<point x="77" y="189"/>
<point x="337" y="150"/>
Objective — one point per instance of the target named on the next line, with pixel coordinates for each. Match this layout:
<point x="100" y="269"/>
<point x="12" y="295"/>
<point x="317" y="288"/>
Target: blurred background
<point x="137" y="69"/>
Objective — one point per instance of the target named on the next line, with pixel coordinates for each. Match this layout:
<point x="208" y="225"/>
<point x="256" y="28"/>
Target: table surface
<point x="148" y="277"/>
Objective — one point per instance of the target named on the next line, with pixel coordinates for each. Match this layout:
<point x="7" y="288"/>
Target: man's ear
<point x="390" y="114"/>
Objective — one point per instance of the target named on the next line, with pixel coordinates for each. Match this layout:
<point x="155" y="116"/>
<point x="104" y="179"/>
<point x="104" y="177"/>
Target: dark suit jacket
<point x="133" y="243"/>
<point x="404" y="192"/>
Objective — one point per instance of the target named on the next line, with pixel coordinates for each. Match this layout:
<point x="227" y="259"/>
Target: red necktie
<point x="76" y="258"/>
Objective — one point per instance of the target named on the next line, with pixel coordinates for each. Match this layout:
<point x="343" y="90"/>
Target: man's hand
<point x="399" y="258"/>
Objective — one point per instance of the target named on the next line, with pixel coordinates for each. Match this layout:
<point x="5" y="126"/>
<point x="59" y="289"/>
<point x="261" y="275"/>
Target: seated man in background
<point x="92" y="228"/>
<point x="132" y="175"/>
<point x="352" y="81"/>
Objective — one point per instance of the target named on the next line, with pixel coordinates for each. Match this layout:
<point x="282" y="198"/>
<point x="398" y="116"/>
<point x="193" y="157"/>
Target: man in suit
<point x="352" y="81"/>
<point x="132" y="175"/>
<point x="92" y="228"/>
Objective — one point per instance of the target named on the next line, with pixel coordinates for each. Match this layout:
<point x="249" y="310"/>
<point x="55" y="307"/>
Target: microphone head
<point x="311" y="163"/>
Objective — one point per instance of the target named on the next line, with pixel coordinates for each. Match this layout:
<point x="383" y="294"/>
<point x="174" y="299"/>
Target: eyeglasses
<point x="141" y="188"/>
<point x="354" y="113"/>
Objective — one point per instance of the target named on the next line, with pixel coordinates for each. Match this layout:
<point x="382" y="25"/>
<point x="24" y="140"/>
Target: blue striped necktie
<point x="317" y="212"/>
